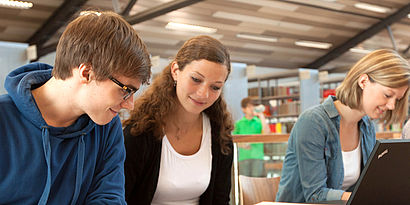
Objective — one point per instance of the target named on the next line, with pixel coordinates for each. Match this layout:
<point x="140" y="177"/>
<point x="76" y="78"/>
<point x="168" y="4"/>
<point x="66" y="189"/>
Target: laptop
<point x="385" y="178"/>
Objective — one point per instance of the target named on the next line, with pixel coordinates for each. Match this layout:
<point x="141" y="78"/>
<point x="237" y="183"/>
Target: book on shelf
<point x="327" y="92"/>
<point x="289" y="108"/>
<point x="274" y="91"/>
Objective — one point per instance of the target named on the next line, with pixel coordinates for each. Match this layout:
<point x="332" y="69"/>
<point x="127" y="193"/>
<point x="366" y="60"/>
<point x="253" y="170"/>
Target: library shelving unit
<point x="285" y="95"/>
<point x="328" y="86"/>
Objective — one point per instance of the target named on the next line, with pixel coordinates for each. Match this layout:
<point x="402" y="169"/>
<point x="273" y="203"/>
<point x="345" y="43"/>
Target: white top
<point x="183" y="179"/>
<point x="351" y="165"/>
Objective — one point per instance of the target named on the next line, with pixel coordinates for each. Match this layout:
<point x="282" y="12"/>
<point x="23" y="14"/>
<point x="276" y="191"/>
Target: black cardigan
<point x="142" y="165"/>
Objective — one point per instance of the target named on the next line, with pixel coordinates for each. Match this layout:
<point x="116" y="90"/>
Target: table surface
<point x="283" y="203"/>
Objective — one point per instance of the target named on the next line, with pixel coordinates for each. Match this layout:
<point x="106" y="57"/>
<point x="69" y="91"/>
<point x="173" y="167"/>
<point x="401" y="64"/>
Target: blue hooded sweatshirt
<point x="41" y="164"/>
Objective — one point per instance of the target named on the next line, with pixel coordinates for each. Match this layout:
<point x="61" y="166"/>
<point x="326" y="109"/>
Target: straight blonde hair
<point x="385" y="67"/>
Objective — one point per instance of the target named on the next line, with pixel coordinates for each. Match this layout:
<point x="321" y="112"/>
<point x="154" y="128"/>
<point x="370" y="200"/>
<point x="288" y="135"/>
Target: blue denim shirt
<point x="313" y="167"/>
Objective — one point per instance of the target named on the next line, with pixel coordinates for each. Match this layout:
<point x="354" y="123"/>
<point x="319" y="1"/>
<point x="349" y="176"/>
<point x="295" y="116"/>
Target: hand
<point x="265" y="125"/>
<point x="346" y="196"/>
<point x="244" y="145"/>
<point x="259" y="114"/>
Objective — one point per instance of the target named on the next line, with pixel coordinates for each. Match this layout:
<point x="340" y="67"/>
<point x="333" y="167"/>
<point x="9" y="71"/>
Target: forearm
<point x="265" y="125"/>
<point x="312" y="155"/>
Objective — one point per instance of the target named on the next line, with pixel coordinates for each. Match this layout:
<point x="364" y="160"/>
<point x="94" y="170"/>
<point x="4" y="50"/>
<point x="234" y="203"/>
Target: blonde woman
<point x="331" y="142"/>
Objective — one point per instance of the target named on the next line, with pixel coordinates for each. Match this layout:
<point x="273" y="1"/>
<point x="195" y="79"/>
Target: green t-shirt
<point x="253" y="126"/>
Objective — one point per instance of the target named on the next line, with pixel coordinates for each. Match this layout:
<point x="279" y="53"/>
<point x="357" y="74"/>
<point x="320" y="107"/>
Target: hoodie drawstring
<point x="80" y="165"/>
<point x="47" y="154"/>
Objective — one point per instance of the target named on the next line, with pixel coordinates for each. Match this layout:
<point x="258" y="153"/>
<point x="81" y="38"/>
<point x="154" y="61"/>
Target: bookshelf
<point x="328" y="84"/>
<point x="285" y="95"/>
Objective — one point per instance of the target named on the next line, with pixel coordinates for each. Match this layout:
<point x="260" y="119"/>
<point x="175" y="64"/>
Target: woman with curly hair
<point x="178" y="138"/>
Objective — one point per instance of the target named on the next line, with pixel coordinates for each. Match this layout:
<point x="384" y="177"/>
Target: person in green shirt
<point x="250" y="155"/>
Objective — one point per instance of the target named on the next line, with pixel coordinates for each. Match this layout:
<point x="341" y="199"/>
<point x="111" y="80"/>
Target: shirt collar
<point x="332" y="112"/>
<point x="330" y="107"/>
<point x="254" y="118"/>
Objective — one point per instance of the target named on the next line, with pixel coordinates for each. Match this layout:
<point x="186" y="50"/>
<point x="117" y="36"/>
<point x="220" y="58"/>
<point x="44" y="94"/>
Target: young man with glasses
<point x="128" y="91"/>
<point x="61" y="139"/>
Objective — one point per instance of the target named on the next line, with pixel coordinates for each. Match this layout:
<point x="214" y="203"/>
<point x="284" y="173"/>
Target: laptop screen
<point x="385" y="178"/>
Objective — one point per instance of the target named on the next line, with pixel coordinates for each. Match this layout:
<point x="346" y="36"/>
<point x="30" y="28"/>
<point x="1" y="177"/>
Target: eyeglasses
<point x="127" y="90"/>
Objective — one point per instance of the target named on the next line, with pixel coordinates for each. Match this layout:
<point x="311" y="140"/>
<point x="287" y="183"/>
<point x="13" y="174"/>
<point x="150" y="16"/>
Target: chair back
<point x="253" y="190"/>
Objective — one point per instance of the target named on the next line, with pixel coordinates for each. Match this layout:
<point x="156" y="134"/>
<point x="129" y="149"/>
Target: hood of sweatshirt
<point x="19" y="84"/>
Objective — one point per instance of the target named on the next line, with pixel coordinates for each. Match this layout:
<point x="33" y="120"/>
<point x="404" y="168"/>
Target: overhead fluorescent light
<point x="188" y="27"/>
<point x="359" y="50"/>
<point x="371" y="7"/>
<point x="257" y="37"/>
<point x="16" y="4"/>
<point x="90" y="12"/>
<point x="313" y="44"/>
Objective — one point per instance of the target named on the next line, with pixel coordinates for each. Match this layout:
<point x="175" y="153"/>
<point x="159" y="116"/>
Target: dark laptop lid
<point x="385" y="178"/>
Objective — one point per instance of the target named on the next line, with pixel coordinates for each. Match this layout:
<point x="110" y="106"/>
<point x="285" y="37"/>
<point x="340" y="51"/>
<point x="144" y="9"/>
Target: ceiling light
<point x="16" y="4"/>
<point x="90" y="12"/>
<point x="313" y="44"/>
<point x="408" y="15"/>
<point x="359" y="50"/>
<point x="188" y="27"/>
<point x="371" y="7"/>
<point x="257" y="37"/>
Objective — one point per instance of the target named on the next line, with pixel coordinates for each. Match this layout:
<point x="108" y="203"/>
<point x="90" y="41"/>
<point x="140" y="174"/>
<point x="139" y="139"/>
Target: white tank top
<point x="183" y="179"/>
<point x="351" y="165"/>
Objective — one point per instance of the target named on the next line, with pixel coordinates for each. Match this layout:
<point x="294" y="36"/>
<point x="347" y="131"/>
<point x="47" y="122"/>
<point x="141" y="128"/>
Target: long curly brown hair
<point x="160" y="98"/>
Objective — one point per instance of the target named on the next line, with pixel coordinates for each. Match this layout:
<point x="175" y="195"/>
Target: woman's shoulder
<point x="316" y="122"/>
<point x="316" y="112"/>
<point x="143" y="137"/>
<point x="324" y="111"/>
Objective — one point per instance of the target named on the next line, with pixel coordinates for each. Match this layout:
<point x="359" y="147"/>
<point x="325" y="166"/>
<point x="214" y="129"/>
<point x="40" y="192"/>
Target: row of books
<point x="274" y="91"/>
<point x="289" y="108"/>
<point x="285" y="108"/>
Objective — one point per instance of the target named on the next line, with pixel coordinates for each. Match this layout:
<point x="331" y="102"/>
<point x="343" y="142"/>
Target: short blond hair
<point x="385" y="67"/>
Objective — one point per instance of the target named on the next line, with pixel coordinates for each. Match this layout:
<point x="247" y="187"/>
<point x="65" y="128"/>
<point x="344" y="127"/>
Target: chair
<point x="253" y="190"/>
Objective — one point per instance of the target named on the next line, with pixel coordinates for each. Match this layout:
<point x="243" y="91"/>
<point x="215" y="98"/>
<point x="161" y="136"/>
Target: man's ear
<point x="174" y="70"/>
<point x="85" y="72"/>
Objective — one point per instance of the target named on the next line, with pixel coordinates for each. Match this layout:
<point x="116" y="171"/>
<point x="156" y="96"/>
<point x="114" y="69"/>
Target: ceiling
<point x="337" y="22"/>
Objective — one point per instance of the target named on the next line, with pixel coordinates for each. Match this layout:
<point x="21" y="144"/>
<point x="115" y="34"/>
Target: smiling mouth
<point x="380" y="110"/>
<point x="197" y="102"/>
<point x="113" y="111"/>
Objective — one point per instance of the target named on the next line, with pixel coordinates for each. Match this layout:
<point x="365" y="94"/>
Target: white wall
<point x="235" y="89"/>
<point x="48" y="59"/>
<point x="12" y="56"/>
